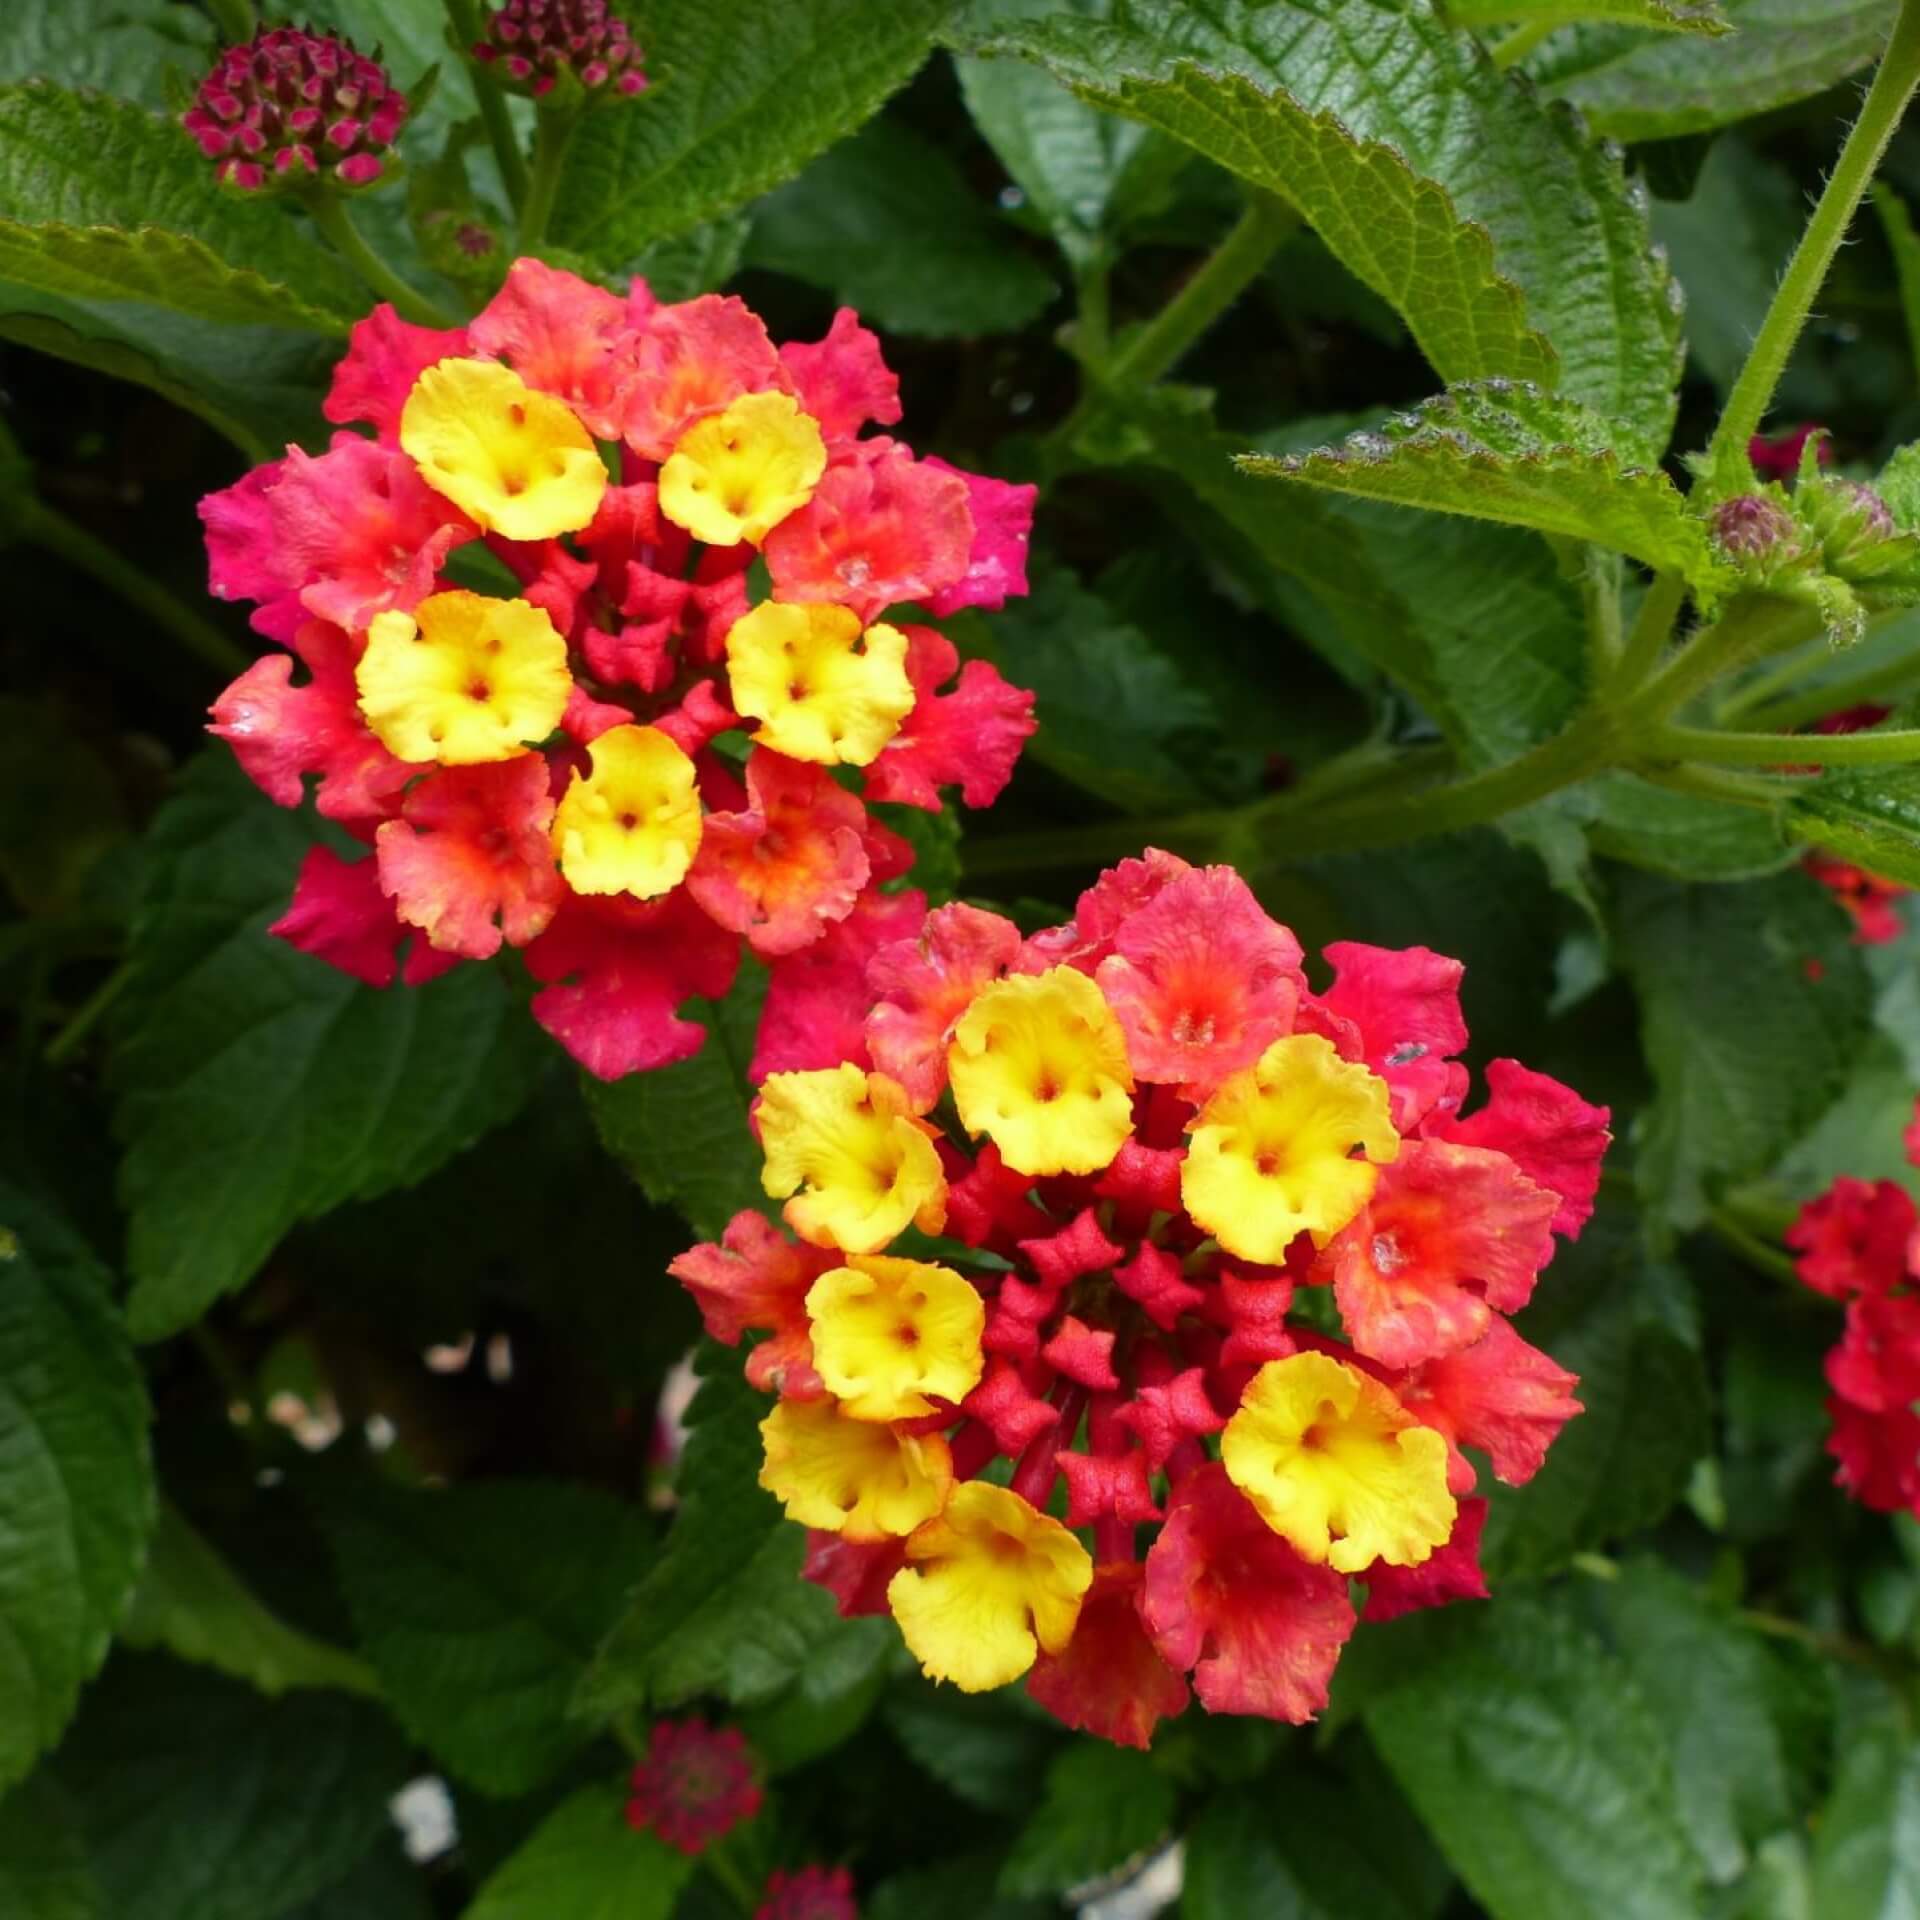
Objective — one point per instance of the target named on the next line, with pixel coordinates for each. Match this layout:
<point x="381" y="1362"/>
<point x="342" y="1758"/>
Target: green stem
<point x="1093" y="323"/>
<point x="1521" y="42"/>
<point x="553" y="135"/>
<point x="47" y="527"/>
<point x="465" y="19"/>
<point x="1600" y="595"/>
<point x="1831" y="696"/>
<point x="1748" y="629"/>
<point x="1712" y="783"/>
<point x="233" y="19"/>
<point x="331" y="217"/>
<point x="1773" y="345"/>
<point x="1216" y="283"/>
<point x="1652" y="629"/>
<point x="731" y="1876"/>
<point x="1899" y="746"/>
<point x="66" y="1043"/>
<point x="1770" y="1260"/>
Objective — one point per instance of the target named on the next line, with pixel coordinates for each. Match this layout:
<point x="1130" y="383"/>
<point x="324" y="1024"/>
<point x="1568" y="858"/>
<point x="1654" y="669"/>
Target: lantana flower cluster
<point x="537" y="767"/>
<point x="1859" y="1243"/>
<point x="1154" y="1145"/>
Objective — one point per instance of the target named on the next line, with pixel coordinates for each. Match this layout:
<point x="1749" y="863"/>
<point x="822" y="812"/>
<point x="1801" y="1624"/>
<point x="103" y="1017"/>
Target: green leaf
<point x="989" y="1750"/>
<point x="1682" y="835"/>
<point x="584" y="1862"/>
<point x="886" y="224"/>
<point x="1496" y="451"/>
<point x="682" y="1132"/>
<point x="192" y="1604"/>
<point x="828" y="1702"/>
<point x="1102" y="1806"/>
<point x="480" y="1606"/>
<point x="383" y="1886"/>
<point x="1334" y="1856"/>
<point x="1869" y="815"/>
<point x="744" y="94"/>
<point x="1633" y="88"/>
<point x="1713" y="966"/>
<point x="1605" y="1311"/>
<point x="962" y="1889"/>
<point x="1671" y="16"/>
<point x="75" y="1482"/>
<point x="123" y="47"/>
<point x="106" y="201"/>
<point x="44" y="1873"/>
<point x="1742" y="1733"/>
<point x="723" y="1609"/>
<point x="257" y="1087"/>
<point x="1512" y="246"/>
<point x="1528" y="1751"/>
<point x="1866" y="1863"/>
<point x="202" y="1800"/>
<point x="1121" y="721"/>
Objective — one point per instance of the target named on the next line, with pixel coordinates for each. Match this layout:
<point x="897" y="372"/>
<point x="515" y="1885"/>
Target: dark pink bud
<point x="1752" y="528"/>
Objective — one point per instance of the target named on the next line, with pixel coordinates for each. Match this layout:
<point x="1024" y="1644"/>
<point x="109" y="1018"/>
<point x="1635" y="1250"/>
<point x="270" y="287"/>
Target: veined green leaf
<point x="744" y="94"/>
<point x="584" y="1862"/>
<point x="1497" y="451"/>
<point x="104" y="200"/>
<point x="1869" y="815"/>
<point x="124" y="47"/>
<point x="1673" y="16"/>
<point x="1634" y="88"/>
<point x="1102" y="1805"/>
<point x="1867" y="1859"/>
<point x="1512" y="245"/>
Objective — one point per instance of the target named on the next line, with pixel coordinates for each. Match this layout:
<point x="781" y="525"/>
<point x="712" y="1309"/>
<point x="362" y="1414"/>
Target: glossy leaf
<point x="1868" y="815"/>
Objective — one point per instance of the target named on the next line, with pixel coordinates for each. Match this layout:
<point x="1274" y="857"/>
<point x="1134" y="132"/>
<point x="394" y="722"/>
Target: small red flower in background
<point x="540" y="771"/>
<point x="809" y="1893"/>
<point x="1857" y="1244"/>
<point x="695" y="1785"/>
<point x="289" y="106"/>
<point x="1777" y="456"/>
<point x="1155" y="1131"/>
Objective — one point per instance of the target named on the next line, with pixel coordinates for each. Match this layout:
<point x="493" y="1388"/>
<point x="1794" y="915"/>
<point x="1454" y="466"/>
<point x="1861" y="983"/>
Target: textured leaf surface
<point x="583" y="1862"/>
<point x="1743" y="1736"/>
<point x="744" y="94"/>
<point x="1713" y="967"/>
<point x="257" y="1087"/>
<point x="1869" y="815"/>
<point x="987" y="1749"/>
<point x="683" y="1132"/>
<point x="1867" y="1858"/>
<point x="44" y="1873"/>
<point x="1680" y="834"/>
<point x="76" y="1489"/>
<point x="723" y="1609"/>
<point x="1496" y="451"/>
<point x="191" y="1603"/>
<point x="1636" y="88"/>
<point x="1408" y="153"/>
<point x="1606" y="1312"/>
<point x="104" y="200"/>
<point x="480" y="1606"/>
<point x="123" y="47"/>
<point x="203" y="1800"/>
<point x="1528" y="1751"/>
<point x="1102" y="1806"/>
<point x="886" y="224"/>
<point x="1673" y="16"/>
<point x="383" y="1886"/>
<point x="962" y="1889"/>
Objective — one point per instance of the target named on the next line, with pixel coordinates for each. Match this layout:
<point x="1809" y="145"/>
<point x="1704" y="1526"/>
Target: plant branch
<point x="553" y="135"/>
<point x="1600" y="599"/>
<point x="1893" y="85"/>
<point x="1756" y="1252"/>
<point x="1899" y="746"/>
<point x="47" y="527"/>
<point x="66" y="1043"/>
<point x="1652" y="629"/>
<point x="464" y="17"/>
<point x="331" y="217"/>
<point x="1831" y="696"/>
<point x="1712" y="783"/>
<point x="1521" y="42"/>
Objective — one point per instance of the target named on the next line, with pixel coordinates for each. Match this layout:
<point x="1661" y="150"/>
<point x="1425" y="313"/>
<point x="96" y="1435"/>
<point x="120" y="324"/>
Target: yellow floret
<point x="1039" y="1065"/>
<point x="463" y="679"/>
<point x="857" y="1478"/>
<point x="633" y="824"/>
<point x="1270" y="1152"/>
<point x="736" y="475"/>
<point x="987" y="1585"/>
<point x="1337" y="1466"/>
<point x="860" y="1168"/>
<point x="890" y="1337"/>
<point x="516" y="460"/>
<point x="823" y="690"/>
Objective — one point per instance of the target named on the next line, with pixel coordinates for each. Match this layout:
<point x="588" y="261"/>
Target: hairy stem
<point x="331" y="217"/>
<point x="1893" y="85"/>
<point x="1900" y="746"/>
<point x="1832" y="696"/>
<point x="553" y="135"/>
<point x="47" y="527"/>
<point x="464" y="17"/>
<point x="1652" y="629"/>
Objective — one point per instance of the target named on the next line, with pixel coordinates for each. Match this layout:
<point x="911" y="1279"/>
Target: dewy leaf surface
<point x="744" y="94"/>
<point x="1496" y="451"/>
<point x="1635" y="88"/>
<point x="76" y="1489"/>
<point x="1869" y="815"/>
<point x="256" y="1087"/>
<point x="104" y="200"/>
<point x="1511" y="243"/>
